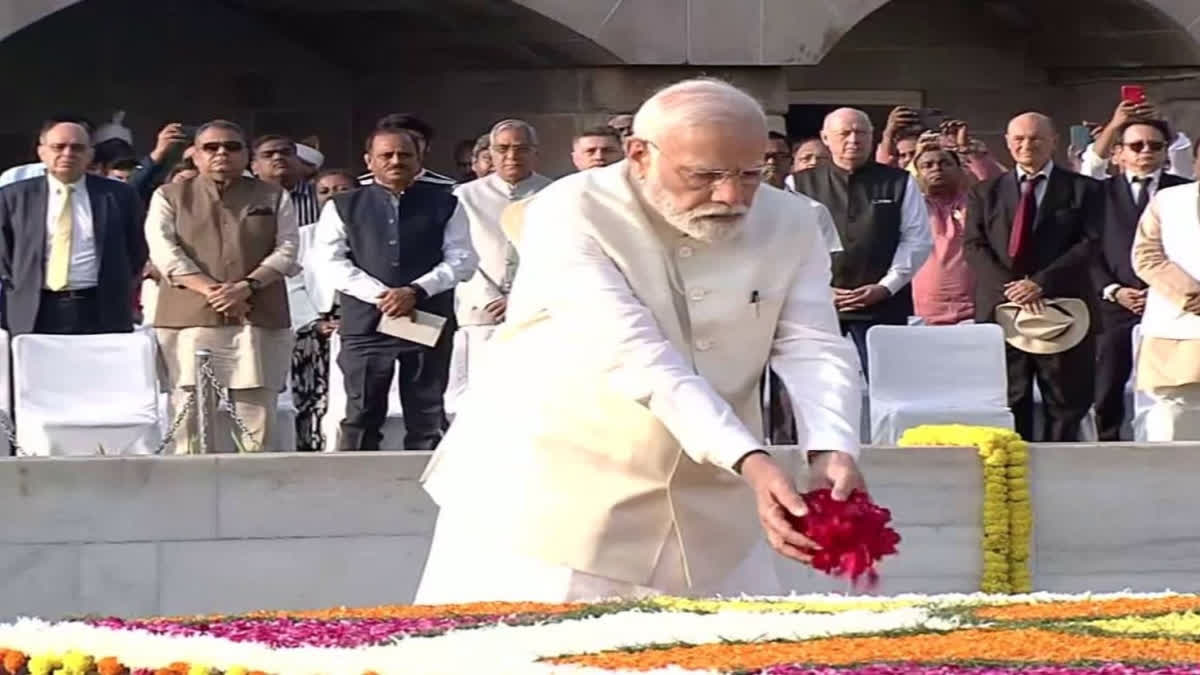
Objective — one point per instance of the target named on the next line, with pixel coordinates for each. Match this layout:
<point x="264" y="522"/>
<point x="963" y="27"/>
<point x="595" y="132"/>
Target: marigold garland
<point x="1007" y="511"/>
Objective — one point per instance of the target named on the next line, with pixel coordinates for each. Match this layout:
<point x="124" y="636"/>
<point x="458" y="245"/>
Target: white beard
<point x="708" y="223"/>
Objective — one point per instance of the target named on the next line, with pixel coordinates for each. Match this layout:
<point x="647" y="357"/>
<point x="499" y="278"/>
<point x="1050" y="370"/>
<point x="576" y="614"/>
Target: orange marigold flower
<point x="109" y="665"/>
<point x="14" y="661"/>
<point x="1082" y="609"/>
<point x="1024" y="645"/>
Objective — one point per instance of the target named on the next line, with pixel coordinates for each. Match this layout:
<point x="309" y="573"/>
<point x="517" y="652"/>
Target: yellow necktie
<point x="60" y="246"/>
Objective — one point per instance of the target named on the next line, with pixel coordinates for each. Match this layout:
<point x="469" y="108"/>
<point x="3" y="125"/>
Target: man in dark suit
<point x="71" y="244"/>
<point x="1141" y="152"/>
<point x="1030" y="236"/>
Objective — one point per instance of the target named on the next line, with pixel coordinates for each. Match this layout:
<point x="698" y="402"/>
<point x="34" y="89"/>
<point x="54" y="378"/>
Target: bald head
<point x="1031" y="140"/>
<point x="847" y="133"/>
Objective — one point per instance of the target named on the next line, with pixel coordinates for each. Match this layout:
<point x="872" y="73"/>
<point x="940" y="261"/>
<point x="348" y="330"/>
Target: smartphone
<point x="1081" y="136"/>
<point x="1134" y="93"/>
<point x="930" y="118"/>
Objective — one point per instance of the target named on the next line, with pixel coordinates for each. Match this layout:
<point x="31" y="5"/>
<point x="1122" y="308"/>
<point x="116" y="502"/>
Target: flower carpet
<point x="1034" y="634"/>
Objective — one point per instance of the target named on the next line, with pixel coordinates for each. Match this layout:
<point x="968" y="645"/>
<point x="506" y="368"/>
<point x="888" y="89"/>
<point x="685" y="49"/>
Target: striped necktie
<point x="59" y="263"/>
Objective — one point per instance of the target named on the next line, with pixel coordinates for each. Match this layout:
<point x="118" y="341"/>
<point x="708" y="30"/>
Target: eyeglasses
<point x="1154" y="146"/>
<point x="707" y="179"/>
<point x="60" y="148"/>
<point x="230" y="147"/>
<point x="276" y="152"/>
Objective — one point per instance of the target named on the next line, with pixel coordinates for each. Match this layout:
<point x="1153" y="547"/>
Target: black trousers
<point x="368" y="363"/>
<point x="1114" y="363"/>
<point x="68" y="313"/>
<point x="1066" y="381"/>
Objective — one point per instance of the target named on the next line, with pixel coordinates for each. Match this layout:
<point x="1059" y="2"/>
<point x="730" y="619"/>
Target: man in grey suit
<point x="72" y="246"/>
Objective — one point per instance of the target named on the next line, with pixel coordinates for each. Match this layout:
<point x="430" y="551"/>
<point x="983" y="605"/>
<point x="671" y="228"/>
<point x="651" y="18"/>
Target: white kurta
<point x="605" y="322"/>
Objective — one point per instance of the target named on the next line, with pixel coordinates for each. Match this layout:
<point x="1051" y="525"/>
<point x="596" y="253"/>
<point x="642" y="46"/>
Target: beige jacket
<point x="582" y="443"/>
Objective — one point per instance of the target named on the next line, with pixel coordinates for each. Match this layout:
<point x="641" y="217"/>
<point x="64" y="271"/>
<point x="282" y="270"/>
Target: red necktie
<point x="1020" y="242"/>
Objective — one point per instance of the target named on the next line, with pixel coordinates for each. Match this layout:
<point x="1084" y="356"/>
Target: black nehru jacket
<point x="866" y="208"/>
<point x="394" y="245"/>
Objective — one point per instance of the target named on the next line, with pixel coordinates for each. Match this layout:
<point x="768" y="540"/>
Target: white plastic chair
<point x="393" y="426"/>
<point x="936" y="375"/>
<point x="86" y="394"/>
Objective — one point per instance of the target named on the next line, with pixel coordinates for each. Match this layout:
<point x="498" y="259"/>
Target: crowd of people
<point x="252" y="249"/>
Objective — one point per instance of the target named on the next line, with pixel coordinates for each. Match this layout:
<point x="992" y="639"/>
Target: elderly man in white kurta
<point x="481" y="302"/>
<point x="612" y="444"/>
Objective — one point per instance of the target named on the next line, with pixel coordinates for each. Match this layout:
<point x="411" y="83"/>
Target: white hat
<point x="1059" y="327"/>
<point x="310" y="155"/>
<point x="114" y="129"/>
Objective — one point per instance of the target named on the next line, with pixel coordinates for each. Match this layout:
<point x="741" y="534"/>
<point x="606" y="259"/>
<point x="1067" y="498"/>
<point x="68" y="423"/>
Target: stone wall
<point x="174" y="535"/>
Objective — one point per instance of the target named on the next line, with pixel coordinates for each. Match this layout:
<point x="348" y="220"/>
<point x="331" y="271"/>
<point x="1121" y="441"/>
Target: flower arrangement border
<point x="1007" y="509"/>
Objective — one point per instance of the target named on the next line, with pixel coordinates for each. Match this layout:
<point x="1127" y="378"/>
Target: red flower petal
<point x="853" y="535"/>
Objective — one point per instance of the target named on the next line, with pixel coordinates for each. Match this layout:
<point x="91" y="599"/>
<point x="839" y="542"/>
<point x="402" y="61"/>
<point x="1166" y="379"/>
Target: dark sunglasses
<point x="280" y="152"/>
<point x="230" y="146"/>
<point x="1155" y="146"/>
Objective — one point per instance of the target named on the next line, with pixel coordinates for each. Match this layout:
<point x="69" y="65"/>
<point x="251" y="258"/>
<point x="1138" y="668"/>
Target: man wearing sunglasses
<point x="1141" y="152"/>
<point x="223" y="243"/>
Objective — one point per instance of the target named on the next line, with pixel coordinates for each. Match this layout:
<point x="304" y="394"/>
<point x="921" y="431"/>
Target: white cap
<point x="114" y="129"/>
<point x="310" y="155"/>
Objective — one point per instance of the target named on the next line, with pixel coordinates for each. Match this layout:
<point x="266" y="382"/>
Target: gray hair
<point x="482" y="143"/>
<point x="513" y="124"/>
<point x="222" y="124"/>
<point x="702" y="100"/>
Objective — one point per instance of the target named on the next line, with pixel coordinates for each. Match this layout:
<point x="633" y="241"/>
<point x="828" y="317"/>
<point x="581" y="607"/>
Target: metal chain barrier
<point x="6" y="427"/>
<point x="180" y="417"/>
<point x="208" y="377"/>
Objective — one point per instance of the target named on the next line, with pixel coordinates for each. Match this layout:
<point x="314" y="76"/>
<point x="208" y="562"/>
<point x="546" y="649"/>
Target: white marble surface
<point x="141" y="536"/>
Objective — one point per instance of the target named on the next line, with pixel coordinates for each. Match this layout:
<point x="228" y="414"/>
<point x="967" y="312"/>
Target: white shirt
<point x="1136" y="187"/>
<point x="84" y="271"/>
<point x="331" y="249"/>
<point x="1039" y="191"/>
<point x="916" y="241"/>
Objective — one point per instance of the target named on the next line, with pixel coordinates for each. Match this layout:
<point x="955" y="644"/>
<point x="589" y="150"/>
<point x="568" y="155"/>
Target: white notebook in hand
<point x="420" y="327"/>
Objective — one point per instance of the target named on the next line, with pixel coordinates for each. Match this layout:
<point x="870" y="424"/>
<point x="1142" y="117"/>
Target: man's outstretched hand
<point x="777" y="498"/>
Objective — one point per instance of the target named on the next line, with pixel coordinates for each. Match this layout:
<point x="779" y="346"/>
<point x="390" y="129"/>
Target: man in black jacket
<point x="398" y="245"/>
<point x="881" y="220"/>
<point x="1030" y="236"/>
<point x="1141" y="153"/>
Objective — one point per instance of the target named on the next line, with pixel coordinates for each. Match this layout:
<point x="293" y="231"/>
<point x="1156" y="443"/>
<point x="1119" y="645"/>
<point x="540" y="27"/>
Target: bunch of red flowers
<point x="853" y="535"/>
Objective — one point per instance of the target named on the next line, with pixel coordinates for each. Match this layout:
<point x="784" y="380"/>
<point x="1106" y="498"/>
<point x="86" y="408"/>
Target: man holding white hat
<point x="1029" y="238"/>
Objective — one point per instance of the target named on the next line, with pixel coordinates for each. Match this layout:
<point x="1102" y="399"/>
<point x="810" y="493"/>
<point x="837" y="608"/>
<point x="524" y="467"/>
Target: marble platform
<point x="174" y="535"/>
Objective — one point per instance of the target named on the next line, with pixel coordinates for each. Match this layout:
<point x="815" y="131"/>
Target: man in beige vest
<point x="612" y="444"/>
<point x="224" y="243"/>
<point x="1166" y="255"/>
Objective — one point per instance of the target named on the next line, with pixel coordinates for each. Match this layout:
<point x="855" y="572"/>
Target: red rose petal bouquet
<point x="853" y="535"/>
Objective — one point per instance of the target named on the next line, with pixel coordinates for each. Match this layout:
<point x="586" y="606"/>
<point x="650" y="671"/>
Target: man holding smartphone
<point x="1178" y="156"/>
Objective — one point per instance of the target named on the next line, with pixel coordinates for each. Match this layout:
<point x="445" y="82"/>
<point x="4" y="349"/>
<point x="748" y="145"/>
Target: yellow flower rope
<point x="1007" y="512"/>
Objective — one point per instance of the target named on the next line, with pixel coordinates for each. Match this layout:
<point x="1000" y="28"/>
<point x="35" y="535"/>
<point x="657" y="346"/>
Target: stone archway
<point x="699" y="32"/>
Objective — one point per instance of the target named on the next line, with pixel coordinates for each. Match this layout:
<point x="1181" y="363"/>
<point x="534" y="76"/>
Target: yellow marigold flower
<point x="43" y="664"/>
<point x="77" y="663"/>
